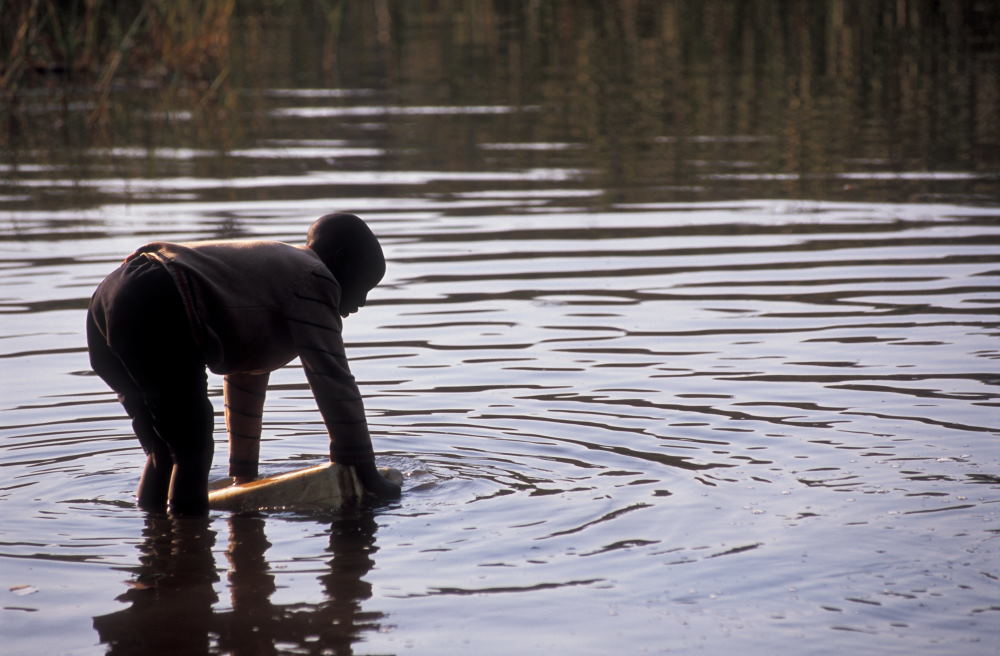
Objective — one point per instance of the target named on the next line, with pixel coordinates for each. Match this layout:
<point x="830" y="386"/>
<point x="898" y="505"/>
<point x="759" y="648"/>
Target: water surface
<point x="660" y="379"/>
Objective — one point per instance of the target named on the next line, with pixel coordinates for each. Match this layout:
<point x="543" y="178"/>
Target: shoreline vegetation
<point x="825" y="85"/>
<point x="75" y="72"/>
<point x="91" y="44"/>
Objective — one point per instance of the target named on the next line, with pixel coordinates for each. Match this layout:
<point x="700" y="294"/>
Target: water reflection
<point x="175" y="607"/>
<point x="678" y="100"/>
<point x="172" y="593"/>
<point x="255" y="623"/>
<point x="174" y="603"/>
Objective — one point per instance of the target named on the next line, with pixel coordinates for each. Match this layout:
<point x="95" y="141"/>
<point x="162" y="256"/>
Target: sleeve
<point x="244" y="399"/>
<point x="315" y="328"/>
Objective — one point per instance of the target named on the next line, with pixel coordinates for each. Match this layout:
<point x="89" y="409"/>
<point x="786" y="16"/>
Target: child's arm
<point x="244" y="398"/>
<point x="322" y="354"/>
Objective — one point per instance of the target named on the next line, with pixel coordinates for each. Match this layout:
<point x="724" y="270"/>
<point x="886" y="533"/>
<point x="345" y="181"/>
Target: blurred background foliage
<point x="808" y="86"/>
<point x="96" y="43"/>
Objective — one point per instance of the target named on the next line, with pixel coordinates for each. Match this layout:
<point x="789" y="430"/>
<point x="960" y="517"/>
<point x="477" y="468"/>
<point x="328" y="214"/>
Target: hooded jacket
<point x="253" y="307"/>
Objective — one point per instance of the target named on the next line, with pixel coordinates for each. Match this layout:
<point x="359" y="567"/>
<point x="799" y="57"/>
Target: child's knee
<point x="181" y="417"/>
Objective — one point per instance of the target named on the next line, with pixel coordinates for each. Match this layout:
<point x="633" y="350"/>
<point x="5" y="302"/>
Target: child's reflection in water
<point x="173" y="594"/>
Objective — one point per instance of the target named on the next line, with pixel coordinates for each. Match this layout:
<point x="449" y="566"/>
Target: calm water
<point x="671" y="363"/>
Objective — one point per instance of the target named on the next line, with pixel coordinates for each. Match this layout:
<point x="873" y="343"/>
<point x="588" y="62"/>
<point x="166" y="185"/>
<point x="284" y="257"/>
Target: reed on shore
<point x="88" y="45"/>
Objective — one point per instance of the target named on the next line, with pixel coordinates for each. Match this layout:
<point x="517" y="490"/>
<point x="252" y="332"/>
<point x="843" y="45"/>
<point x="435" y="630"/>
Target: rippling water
<point x="631" y="421"/>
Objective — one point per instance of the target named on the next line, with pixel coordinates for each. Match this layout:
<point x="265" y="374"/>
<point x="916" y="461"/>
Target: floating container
<point x="321" y="487"/>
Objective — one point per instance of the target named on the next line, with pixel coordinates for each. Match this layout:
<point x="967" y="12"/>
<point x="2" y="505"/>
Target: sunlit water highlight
<point x="634" y="426"/>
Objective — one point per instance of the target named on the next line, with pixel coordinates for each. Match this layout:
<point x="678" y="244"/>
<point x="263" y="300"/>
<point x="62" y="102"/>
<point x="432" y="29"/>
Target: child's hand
<point x="375" y="483"/>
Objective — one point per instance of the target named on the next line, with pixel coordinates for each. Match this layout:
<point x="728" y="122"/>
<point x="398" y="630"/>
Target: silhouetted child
<point x="243" y="309"/>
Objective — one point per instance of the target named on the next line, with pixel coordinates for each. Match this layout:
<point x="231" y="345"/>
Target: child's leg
<point x="151" y="493"/>
<point x="164" y="390"/>
<point x="154" y="483"/>
<point x="185" y="418"/>
<point x="189" y="482"/>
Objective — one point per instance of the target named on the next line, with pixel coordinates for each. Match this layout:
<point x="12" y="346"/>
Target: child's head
<point x="351" y="251"/>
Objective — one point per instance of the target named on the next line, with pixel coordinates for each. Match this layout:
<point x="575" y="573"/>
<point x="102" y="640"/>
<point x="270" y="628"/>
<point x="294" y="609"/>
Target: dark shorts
<point x="141" y="344"/>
